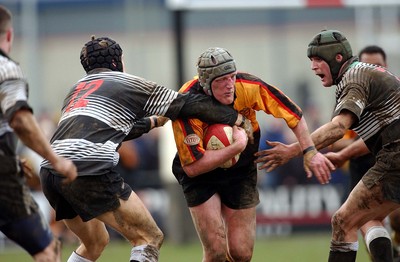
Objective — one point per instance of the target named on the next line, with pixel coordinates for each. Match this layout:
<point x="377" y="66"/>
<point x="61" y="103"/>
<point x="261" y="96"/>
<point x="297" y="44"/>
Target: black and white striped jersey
<point x="372" y="93"/>
<point x="13" y="97"/>
<point x="100" y="111"/>
<point x="105" y="106"/>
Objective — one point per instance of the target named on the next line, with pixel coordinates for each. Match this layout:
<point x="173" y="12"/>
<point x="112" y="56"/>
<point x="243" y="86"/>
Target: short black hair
<point x="372" y="49"/>
<point x="5" y="19"/>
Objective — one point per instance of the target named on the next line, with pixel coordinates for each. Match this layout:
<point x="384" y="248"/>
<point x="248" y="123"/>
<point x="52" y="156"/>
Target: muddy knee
<point x="338" y="224"/>
<point x="242" y="257"/>
<point x="158" y="239"/>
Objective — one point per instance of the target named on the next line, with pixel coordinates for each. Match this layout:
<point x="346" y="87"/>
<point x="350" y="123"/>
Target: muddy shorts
<point x="237" y="188"/>
<point x="19" y="213"/>
<point x="386" y="172"/>
<point x="16" y="201"/>
<point x="86" y="196"/>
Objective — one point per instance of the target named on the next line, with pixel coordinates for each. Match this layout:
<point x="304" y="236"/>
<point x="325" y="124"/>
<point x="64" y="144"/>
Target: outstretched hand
<point x="336" y="158"/>
<point x="317" y="164"/>
<point x="278" y="155"/>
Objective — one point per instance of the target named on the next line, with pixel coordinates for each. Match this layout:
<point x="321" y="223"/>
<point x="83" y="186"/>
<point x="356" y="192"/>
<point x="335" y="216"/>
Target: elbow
<point x="17" y="123"/>
<point x="338" y="131"/>
<point x="189" y="171"/>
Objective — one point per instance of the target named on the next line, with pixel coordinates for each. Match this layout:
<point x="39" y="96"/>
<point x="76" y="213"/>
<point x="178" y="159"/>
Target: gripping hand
<point x="158" y="121"/>
<point x="248" y="127"/>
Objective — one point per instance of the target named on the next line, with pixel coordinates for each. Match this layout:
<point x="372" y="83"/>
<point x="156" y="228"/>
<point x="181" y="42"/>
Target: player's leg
<point x="394" y="219"/>
<point x="377" y="238"/>
<point x="79" y="204"/>
<point x="20" y="218"/>
<point x="34" y="235"/>
<point x="357" y="168"/>
<point x="210" y="228"/>
<point x="239" y="199"/>
<point x="51" y="253"/>
<point x="241" y="232"/>
<point x="93" y="237"/>
<point x="136" y="224"/>
<point x="362" y="205"/>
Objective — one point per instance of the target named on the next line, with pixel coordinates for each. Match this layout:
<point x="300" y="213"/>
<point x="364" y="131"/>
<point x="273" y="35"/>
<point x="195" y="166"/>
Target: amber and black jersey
<point x="251" y="94"/>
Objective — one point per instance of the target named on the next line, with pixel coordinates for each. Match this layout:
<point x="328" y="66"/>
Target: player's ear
<point x="339" y="58"/>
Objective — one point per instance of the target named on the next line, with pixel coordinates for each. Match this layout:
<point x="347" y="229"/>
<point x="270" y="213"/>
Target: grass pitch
<point x="297" y="248"/>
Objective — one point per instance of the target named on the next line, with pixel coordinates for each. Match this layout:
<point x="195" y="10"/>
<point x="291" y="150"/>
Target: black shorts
<point x="87" y="196"/>
<point x="386" y="172"/>
<point x="20" y="219"/>
<point x="237" y="188"/>
<point x="358" y="167"/>
<point x="16" y="201"/>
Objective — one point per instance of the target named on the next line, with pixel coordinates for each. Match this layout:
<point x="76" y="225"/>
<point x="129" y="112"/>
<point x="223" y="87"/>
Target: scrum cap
<point x="326" y="45"/>
<point x="101" y="52"/>
<point x="213" y="63"/>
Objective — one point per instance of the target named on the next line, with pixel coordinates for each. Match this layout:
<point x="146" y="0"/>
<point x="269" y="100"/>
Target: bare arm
<point x="333" y="131"/>
<point x="356" y="149"/>
<point x="29" y="132"/>
<point x="303" y="136"/>
<point x="215" y="158"/>
<point x="314" y="162"/>
<point x="322" y="137"/>
<point x="340" y="144"/>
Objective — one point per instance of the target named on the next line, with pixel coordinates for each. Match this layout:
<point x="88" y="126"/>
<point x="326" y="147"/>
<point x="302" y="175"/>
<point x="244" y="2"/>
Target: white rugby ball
<point x="218" y="136"/>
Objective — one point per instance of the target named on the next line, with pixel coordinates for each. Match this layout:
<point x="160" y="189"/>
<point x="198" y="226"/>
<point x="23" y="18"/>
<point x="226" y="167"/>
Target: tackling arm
<point x="356" y="149"/>
<point x="203" y="107"/>
<point x="314" y="162"/>
<point x="322" y="137"/>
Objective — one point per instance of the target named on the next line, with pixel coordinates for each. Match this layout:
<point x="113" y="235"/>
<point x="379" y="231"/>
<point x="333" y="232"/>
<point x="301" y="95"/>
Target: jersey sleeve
<point x="353" y="98"/>
<point x="13" y="90"/>
<point x="188" y="134"/>
<point x="262" y="96"/>
<point x="140" y="127"/>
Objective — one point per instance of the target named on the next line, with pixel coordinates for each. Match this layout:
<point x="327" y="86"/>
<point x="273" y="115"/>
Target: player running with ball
<point x="222" y="201"/>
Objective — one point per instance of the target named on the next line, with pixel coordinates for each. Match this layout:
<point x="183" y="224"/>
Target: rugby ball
<point x="218" y="136"/>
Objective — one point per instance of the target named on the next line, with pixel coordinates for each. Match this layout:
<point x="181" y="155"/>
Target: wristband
<point x="308" y="149"/>
<point x="243" y="121"/>
<point x="155" y="121"/>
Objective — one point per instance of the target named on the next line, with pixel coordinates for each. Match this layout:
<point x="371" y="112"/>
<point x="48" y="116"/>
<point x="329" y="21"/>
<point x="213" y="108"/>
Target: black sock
<point x="381" y="249"/>
<point x="336" y="256"/>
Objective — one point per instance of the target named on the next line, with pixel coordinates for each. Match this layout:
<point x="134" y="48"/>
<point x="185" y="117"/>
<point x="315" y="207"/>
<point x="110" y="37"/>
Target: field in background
<point x="299" y="248"/>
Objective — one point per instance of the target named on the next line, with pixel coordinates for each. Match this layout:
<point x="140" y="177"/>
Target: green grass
<point x="298" y="248"/>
